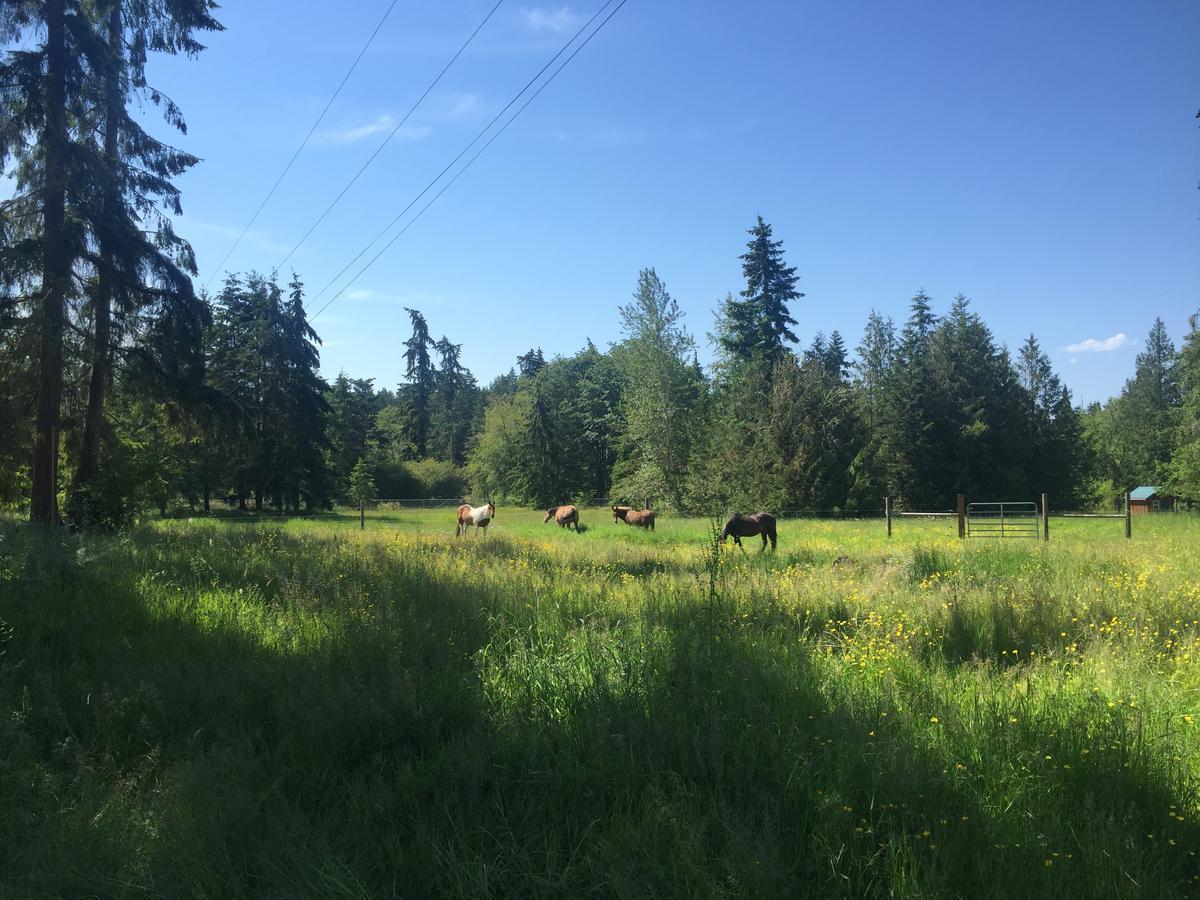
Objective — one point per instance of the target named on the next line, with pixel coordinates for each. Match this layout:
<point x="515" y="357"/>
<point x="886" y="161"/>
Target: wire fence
<point x="386" y="503"/>
<point x="1035" y="515"/>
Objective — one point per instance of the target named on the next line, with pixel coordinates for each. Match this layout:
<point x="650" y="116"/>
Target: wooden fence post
<point x="1045" y="519"/>
<point x="962" y="515"/>
<point x="887" y="512"/>
<point x="362" y="515"/>
<point x="1128" y="518"/>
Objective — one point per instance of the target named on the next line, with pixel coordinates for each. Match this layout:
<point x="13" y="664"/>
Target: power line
<point x="478" y="154"/>
<point x="387" y="140"/>
<point x="472" y="143"/>
<point x="304" y="143"/>
<point x="464" y="150"/>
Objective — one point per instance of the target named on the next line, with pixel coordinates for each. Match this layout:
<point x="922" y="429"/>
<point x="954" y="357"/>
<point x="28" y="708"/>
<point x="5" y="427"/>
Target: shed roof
<point x="1145" y="492"/>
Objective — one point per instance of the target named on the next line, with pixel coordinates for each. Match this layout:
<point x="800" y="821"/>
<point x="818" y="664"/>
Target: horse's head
<point x="550" y="512"/>
<point x="730" y="527"/>
<point x="491" y="510"/>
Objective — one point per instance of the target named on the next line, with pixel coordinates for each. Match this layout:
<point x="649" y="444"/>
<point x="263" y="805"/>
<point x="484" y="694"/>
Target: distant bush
<point x="419" y="479"/>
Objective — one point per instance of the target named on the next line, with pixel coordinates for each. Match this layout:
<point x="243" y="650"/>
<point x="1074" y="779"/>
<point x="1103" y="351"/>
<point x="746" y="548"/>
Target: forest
<point x="236" y="411"/>
<point x="125" y="391"/>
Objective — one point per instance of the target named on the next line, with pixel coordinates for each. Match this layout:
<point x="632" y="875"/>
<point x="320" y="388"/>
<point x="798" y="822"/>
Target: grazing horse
<point x="479" y="516"/>
<point x="642" y="518"/>
<point x="565" y="516"/>
<point x="740" y="526"/>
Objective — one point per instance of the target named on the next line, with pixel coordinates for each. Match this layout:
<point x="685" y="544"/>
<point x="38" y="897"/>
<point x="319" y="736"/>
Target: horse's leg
<point x="738" y="540"/>
<point x="773" y="540"/>
<point x="764" y="540"/>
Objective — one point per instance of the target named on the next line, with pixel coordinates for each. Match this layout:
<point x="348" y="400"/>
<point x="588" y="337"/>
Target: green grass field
<point x="241" y="708"/>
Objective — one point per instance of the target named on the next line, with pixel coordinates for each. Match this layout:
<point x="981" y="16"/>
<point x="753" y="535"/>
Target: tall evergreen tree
<point x="1139" y="433"/>
<point x="875" y="355"/>
<point x="529" y="364"/>
<point x="264" y="360"/>
<point x="43" y="93"/>
<point x="758" y="324"/>
<point x="908" y="392"/>
<point x="418" y="369"/>
<point x="69" y="85"/>
<point x="1056" y="458"/>
<point x="455" y="395"/>
<point x="1183" y="471"/>
<point x="141" y="264"/>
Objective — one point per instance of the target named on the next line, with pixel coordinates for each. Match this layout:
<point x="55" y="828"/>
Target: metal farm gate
<point x="1004" y="519"/>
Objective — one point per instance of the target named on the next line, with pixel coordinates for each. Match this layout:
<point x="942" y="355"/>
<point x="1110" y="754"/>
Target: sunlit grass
<point x="305" y="709"/>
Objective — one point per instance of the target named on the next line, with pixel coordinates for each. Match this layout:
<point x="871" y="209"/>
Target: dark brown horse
<point x="565" y="516"/>
<point x="642" y="518"/>
<point x="740" y="526"/>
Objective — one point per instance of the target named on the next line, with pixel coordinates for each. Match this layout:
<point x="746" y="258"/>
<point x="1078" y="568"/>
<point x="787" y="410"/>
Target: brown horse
<point x="565" y="516"/>
<point x="642" y="518"/>
<point x="740" y="526"/>
<point x="479" y="516"/>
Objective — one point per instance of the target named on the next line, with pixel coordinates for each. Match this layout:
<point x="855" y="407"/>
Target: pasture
<point x="300" y="709"/>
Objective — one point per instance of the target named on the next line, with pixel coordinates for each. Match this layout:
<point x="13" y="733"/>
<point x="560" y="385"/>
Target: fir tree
<point x="758" y="324"/>
<point x="1140" y="422"/>
<point x="418" y="369"/>
<point x="529" y="364"/>
<point x="362" y="481"/>
<point x="1183" y="470"/>
<point x="142" y="266"/>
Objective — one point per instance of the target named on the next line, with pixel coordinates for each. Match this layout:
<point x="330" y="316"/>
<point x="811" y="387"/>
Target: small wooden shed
<point x="1149" y="499"/>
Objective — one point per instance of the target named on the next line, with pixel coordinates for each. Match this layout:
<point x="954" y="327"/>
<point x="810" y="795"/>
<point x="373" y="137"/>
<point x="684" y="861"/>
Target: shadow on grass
<point x="442" y="742"/>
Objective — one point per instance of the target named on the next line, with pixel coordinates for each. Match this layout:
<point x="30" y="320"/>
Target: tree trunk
<point x="56" y="273"/>
<point x="101" y="375"/>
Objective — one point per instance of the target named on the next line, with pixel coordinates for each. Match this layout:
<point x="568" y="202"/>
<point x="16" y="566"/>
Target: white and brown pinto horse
<point x="564" y="516"/>
<point x="479" y="516"/>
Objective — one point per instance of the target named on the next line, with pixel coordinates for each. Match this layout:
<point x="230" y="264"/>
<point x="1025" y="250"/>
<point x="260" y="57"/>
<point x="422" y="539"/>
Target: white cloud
<point x="379" y="126"/>
<point x="541" y="18"/>
<point x="457" y="104"/>
<point x="1091" y="345"/>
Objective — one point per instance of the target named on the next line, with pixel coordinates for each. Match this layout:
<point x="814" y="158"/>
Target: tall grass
<point x="227" y="709"/>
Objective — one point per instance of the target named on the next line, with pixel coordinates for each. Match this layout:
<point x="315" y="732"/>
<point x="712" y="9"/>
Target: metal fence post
<point x="1128" y="518"/>
<point x="887" y="512"/>
<point x="962" y="516"/>
<point x="1045" y="519"/>
<point x="362" y="515"/>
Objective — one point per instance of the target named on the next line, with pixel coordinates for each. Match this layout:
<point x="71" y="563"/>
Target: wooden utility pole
<point x="887" y="513"/>
<point x="962" y="516"/>
<point x="1045" y="519"/>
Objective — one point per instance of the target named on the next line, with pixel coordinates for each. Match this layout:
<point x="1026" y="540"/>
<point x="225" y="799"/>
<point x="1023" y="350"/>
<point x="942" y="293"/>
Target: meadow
<point x="244" y="708"/>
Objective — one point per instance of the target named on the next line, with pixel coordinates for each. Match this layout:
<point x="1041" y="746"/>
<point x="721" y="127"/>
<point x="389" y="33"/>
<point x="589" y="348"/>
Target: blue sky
<point x="1041" y="158"/>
